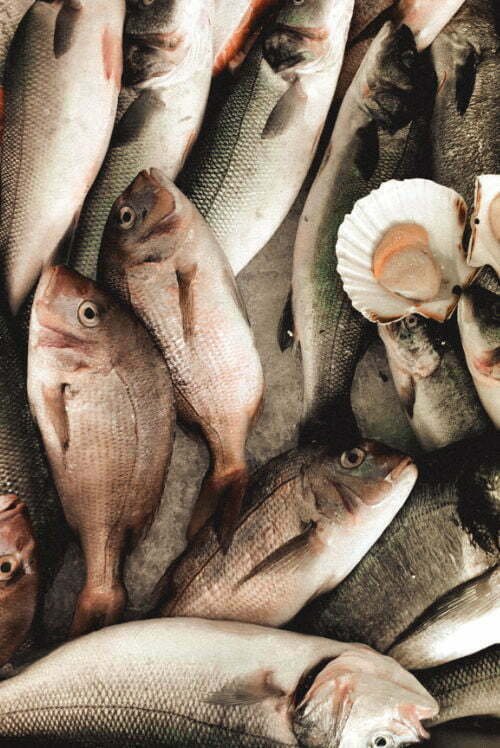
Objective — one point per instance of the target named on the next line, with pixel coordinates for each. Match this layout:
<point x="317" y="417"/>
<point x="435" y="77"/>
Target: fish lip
<point x="400" y="469"/>
<point x="10" y="506"/>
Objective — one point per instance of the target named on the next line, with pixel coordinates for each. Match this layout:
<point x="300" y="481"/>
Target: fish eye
<point x="8" y="567"/>
<point x="147" y="2"/>
<point x="88" y="314"/>
<point x="412" y="321"/>
<point x="408" y="57"/>
<point x="352" y="458"/>
<point x="298" y="2"/>
<point x="382" y="741"/>
<point x="126" y="217"/>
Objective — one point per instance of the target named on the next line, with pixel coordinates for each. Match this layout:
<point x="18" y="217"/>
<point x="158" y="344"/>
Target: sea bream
<point x="214" y="683"/>
<point x="462" y="622"/>
<point x="479" y="324"/>
<point x="271" y="114"/>
<point x="433" y="383"/>
<point x="19" y="575"/>
<point x="466" y="115"/>
<point x="372" y="141"/>
<point x="446" y="534"/>
<point x="61" y="89"/>
<point x="310" y="516"/>
<point x="160" y="256"/>
<point x="102" y="398"/>
<point x="168" y="54"/>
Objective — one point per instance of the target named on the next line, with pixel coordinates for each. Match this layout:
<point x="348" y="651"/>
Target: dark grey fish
<point x="447" y="533"/>
<point x="468" y="687"/>
<point x="466" y="118"/>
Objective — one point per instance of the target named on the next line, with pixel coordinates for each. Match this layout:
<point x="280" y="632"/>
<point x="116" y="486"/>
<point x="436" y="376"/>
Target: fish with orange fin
<point x="102" y="398"/>
<point x="160" y="256"/>
<point x="19" y="580"/>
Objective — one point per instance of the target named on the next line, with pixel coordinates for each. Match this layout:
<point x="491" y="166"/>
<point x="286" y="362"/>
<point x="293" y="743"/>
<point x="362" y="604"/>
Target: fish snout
<point x="404" y="464"/>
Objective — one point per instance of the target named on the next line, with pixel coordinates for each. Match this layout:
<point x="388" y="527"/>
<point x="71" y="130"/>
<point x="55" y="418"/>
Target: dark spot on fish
<point x="462" y="212"/>
<point x="456" y="290"/>
<point x="367" y="156"/>
<point x="477" y="221"/>
<point x="465" y="81"/>
<point x="383" y="376"/>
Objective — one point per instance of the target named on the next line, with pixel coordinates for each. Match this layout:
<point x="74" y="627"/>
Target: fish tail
<point x="220" y="498"/>
<point x="97" y="607"/>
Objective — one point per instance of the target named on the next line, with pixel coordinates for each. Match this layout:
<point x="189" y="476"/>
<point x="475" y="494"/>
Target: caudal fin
<point x="97" y="607"/>
<point x="221" y="497"/>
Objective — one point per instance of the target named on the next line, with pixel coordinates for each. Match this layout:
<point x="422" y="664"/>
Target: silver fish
<point x="214" y="684"/>
<point x="61" y="89"/>
<point x="235" y="21"/>
<point x="102" y="397"/>
<point x="11" y="13"/>
<point x="479" y="323"/>
<point x="160" y="256"/>
<point x="310" y="517"/>
<point x="433" y="384"/>
<point x="271" y="115"/>
<point x="167" y="73"/>
<point x="464" y="621"/>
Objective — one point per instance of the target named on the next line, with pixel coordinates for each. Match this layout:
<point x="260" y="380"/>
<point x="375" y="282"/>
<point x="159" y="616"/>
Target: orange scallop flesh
<point x="403" y="263"/>
<point x="494" y="217"/>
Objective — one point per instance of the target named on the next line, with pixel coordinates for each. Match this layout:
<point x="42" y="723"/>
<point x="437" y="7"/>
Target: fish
<point x="11" y="14"/>
<point x="168" y="54"/>
<point x="102" y="398"/>
<point x="446" y="534"/>
<point x="434" y="385"/>
<point x="272" y="113"/>
<point x="61" y="89"/>
<point x="466" y="113"/>
<point x="310" y="516"/>
<point x="160" y="256"/>
<point x="464" y="621"/>
<point x="380" y="416"/>
<point x="23" y="467"/>
<point x="465" y="688"/>
<point x="479" y="324"/>
<point x="19" y="575"/>
<point x="235" y="22"/>
<point x="378" y="135"/>
<point x="215" y="683"/>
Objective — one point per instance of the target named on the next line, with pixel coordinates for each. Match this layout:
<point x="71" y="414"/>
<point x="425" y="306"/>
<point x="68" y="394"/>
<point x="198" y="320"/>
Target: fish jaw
<point x="18" y="575"/>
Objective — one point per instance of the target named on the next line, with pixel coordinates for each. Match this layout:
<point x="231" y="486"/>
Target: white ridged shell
<point x="484" y="246"/>
<point x="440" y="210"/>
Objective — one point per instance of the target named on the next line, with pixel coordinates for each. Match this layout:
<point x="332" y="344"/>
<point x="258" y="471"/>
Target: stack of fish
<point x="150" y="149"/>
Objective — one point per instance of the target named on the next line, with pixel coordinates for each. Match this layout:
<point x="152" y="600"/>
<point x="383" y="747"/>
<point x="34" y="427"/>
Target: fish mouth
<point x="285" y="48"/>
<point x="399" y="470"/>
<point x="10" y="506"/>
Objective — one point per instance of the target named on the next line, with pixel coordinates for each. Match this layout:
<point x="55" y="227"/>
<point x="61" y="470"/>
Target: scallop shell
<point x="484" y="244"/>
<point x="400" y="251"/>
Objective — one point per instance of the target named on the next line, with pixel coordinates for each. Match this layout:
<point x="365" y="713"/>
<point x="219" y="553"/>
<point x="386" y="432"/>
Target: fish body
<point x="467" y="687"/>
<point x="103" y="401"/>
<point x="61" y="88"/>
<point x="19" y="575"/>
<point x="466" y="116"/>
<point x="23" y="469"/>
<point x="271" y="114"/>
<point x="446" y="534"/>
<point x="479" y="324"/>
<point x="372" y="142"/>
<point x="167" y="71"/>
<point x="434" y="386"/>
<point x="464" y="621"/>
<point x="167" y="264"/>
<point x="11" y="14"/>
<point x="310" y="517"/>
<point x="380" y="416"/>
<point x="214" y="683"/>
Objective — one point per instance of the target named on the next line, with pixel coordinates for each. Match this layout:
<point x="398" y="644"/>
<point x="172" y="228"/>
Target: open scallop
<point x="400" y="251"/>
<point x="484" y="244"/>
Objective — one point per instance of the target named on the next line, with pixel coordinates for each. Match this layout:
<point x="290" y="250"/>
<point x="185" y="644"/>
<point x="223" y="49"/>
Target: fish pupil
<point x="380" y="741"/>
<point x="5" y="567"/>
<point x="89" y="313"/>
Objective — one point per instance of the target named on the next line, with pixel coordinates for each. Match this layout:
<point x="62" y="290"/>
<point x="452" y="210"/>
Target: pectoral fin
<point x="465" y="76"/>
<point x="288" y="557"/>
<point x="286" y="332"/>
<point x="56" y="410"/>
<point x="290" y="108"/>
<point x="185" y="280"/>
<point x="249" y="690"/>
<point x="66" y="22"/>
<point x="131" y="125"/>
<point x="367" y="156"/>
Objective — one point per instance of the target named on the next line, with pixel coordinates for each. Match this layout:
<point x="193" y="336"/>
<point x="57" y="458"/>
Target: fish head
<point x="386" y="81"/>
<point x="18" y="574"/>
<point x="412" y="344"/>
<point x="301" y="36"/>
<point x="73" y="323"/>
<point x="479" y="320"/>
<point x="362" y="699"/>
<point x="146" y="224"/>
<point x="349" y="487"/>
